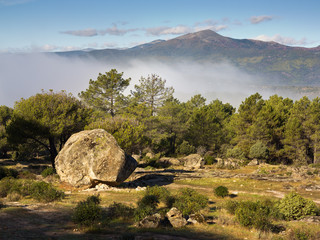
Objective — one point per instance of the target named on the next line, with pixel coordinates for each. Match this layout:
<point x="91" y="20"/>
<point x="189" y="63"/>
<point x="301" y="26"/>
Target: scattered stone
<point x="141" y="188"/>
<point x="229" y="163"/>
<point x="170" y="161"/>
<point x="310" y="219"/>
<point x="91" y="157"/>
<point x="254" y="162"/>
<point x="175" y="218"/>
<point x="196" y="218"/>
<point x="287" y="186"/>
<point x="150" y="155"/>
<point x="152" y="221"/>
<point x="193" y="161"/>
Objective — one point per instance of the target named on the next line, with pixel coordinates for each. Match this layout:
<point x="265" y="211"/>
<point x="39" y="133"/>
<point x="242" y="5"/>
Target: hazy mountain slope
<point x="278" y="63"/>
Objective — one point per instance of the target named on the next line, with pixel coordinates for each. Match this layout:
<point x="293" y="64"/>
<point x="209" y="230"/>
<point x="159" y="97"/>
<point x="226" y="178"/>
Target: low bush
<point x="48" y="171"/>
<point x="190" y="201"/>
<point x="41" y="191"/>
<point x="120" y="211"/>
<point x="253" y="214"/>
<point x="88" y="213"/>
<point x="259" y="150"/>
<point x="14" y="196"/>
<point x="10" y="185"/>
<point x="209" y="160"/>
<point x="27" y="175"/>
<point x="1" y="205"/>
<point x="231" y="206"/>
<point x="236" y="153"/>
<point x="45" y="192"/>
<point x="221" y="191"/>
<point x="161" y="193"/>
<point x="8" y="172"/>
<point x="146" y="206"/>
<point x="186" y="148"/>
<point x="257" y="214"/>
<point x="293" y="206"/>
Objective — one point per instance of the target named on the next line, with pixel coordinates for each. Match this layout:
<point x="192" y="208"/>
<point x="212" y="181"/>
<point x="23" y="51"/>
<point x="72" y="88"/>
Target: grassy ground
<point x="30" y="219"/>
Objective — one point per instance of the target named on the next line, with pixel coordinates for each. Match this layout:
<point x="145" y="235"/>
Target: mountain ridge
<point x="281" y="64"/>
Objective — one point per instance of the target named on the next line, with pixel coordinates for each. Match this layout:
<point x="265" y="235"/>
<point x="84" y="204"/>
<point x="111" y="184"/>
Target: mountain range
<point x="278" y="64"/>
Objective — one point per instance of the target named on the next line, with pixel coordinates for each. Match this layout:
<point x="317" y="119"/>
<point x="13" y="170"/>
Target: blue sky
<point x="59" y="25"/>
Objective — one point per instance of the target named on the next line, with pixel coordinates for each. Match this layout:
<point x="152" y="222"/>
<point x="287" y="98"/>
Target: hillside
<point x="280" y="64"/>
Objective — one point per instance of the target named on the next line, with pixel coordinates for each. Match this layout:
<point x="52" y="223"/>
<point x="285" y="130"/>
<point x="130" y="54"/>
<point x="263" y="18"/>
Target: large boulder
<point x="91" y="157"/>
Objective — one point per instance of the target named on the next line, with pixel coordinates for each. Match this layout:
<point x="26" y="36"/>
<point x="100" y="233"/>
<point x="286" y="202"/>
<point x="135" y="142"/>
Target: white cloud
<point x="215" y="28"/>
<point x="282" y="40"/>
<point x="259" y="19"/>
<point x="89" y="32"/>
<point x="182" y="29"/>
<point x="114" y="30"/>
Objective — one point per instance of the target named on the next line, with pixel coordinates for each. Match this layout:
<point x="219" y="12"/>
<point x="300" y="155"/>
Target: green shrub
<point x="87" y="213"/>
<point x="253" y="214"/>
<point x="152" y="162"/>
<point x="221" y="191"/>
<point x="8" y="172"/>
<point x="259" y="150"/>
<point x="160" y="192"/>
<point x="48" y="171"/>
<point x="186" y="148"/>
<point x="120" y="211"/>
<point x="209" y="160"/>
<point x="45" y="192"/>
<point x="10" y="185"/>
<point x="5" y="186"/>
<point x="190" y="201"/>
<point x="314" y="165"/>
<point x="27" y="175"/>
<point x="14" y="196"/>
<point x="94" y="198"/>
<point x="293" y="206"/>
<point x="146" y="206"/>
<point x="40" y="191"/>
<point x="236" y="153"/>
<point x="231" y="206"/>
<point x="1" y="205"/>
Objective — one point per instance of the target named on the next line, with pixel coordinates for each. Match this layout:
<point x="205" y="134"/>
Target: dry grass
<point x="221" y="226"/>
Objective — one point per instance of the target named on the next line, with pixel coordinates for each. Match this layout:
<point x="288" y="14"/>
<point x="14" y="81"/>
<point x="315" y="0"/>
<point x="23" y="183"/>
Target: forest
<point x="151" y="119"/>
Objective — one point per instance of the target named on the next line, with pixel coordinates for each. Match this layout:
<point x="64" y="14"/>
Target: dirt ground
<point x="53" y="221"/>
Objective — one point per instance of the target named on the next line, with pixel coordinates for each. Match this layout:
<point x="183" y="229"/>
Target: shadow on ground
<point x="45" y="223"/>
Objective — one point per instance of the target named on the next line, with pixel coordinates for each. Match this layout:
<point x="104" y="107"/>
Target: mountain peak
<point x="204" y="34"/>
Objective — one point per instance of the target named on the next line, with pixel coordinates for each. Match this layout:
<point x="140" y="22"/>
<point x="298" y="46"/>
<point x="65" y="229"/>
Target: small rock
<point x="196" y="218"/>
<point x="141" y="188"/>
<point x="152" y="221"/>
<point x="150" y="155"/>
<point x="170" y="161"/>
<point x="254" y="162"/>
<point x="311" y="219"/>
<point x="175" y="218"/>
<point x="193" y="161"/>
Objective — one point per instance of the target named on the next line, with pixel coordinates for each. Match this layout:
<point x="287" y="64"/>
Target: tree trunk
<point x="53" y="151"/>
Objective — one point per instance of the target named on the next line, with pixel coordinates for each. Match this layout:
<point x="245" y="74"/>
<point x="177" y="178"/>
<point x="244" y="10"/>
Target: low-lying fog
<point x="23" y="75"/>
